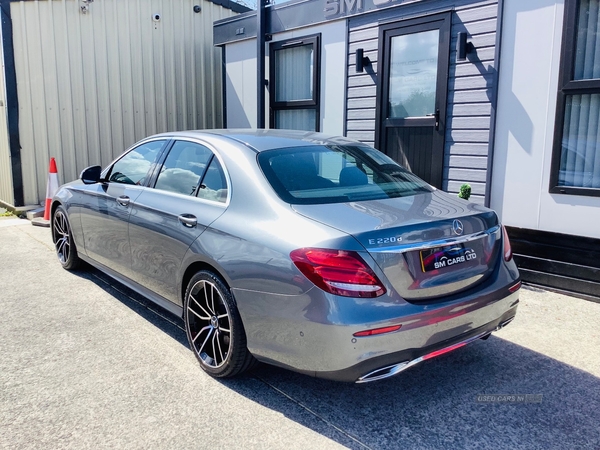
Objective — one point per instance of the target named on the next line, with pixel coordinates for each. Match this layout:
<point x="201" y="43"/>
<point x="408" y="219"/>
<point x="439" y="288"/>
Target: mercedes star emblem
<point x="457" y="227"/>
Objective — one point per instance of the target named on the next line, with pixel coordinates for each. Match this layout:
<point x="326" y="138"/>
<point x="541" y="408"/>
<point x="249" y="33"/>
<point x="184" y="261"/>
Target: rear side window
<point x="336" y="174"/>
<point x="183" y="168"/>
<point x="134" y="167"/>
<point x="213" y="185"/>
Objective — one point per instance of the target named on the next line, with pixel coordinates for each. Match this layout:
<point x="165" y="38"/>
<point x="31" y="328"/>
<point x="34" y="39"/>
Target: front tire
<point x="214" y="327"/>
<point x="64" y="243"/>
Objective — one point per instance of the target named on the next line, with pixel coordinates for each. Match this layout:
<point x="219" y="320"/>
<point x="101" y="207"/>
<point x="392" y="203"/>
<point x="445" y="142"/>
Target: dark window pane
<point x="580" y="150"/>
<point x="336" y="174"/>
<point x="214" y="185"/>
<point x="587" y="53"/>
<point x="296" y="119"/>
<point x="183" y="168"/>
<point x="413" y="74"/>
<point x="294" y="98"/>
<point x="294" y="73"/>
<point x="134" y="167"/>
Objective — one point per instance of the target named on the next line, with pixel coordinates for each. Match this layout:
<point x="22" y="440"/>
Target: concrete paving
<point x="86" y="363"/>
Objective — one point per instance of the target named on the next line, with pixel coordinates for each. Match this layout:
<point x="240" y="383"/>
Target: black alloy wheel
<point x="63" y="240"/>
<point x="214" y="327"/>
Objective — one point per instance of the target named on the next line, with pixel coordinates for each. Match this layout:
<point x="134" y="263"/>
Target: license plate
<point x="439" y="258"/>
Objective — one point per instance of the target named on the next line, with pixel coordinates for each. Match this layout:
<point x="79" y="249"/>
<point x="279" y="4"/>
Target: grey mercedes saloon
<point x="314" y="253"/>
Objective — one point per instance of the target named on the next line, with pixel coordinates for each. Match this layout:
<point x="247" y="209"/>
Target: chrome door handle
<point x="188" y="220"/>
<point x="123" y="200"/>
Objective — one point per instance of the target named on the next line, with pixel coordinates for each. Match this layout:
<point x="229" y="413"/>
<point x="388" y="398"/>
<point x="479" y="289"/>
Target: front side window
<point x="135" y="166"/>
<point x="576" y="154"/>
<point x="336" y="174"/>
<point x="295" y="84"/>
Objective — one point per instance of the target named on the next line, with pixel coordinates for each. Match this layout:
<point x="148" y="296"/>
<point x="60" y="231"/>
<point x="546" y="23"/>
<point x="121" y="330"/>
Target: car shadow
<point x="446" y="402"/>
<point x="167" y="322"/>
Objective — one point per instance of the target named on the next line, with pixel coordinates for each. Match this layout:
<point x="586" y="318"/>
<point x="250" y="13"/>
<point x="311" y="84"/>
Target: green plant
<point x="465" y="191"/>
<point x="5" y="213"/>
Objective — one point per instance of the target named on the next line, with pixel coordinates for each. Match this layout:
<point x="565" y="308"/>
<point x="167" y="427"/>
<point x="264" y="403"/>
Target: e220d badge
<point x="385" y="240"/>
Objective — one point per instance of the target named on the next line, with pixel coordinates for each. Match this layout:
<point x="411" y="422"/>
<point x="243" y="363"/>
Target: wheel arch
<point x="195" y="267"/>
<point x="53" y="207"/>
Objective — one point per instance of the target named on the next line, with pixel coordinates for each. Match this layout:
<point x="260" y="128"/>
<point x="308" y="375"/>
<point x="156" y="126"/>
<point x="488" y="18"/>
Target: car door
<point x="190" y="192"/>
<point x="106" y="205"/>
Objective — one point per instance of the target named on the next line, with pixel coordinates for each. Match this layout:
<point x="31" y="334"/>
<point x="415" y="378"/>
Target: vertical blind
<point x="296" y="119"/>
<point x="294" y="72"/>
<point x="580" y="154"/>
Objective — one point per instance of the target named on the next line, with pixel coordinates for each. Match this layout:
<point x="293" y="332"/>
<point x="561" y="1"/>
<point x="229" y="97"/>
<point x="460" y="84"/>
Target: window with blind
<point x="576" y="154"/>
<point x="294" y="81"/>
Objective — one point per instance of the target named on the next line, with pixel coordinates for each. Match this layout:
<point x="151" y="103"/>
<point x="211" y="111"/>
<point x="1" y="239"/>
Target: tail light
<point x="507" y="248"/>
<point x="338" y="272"/>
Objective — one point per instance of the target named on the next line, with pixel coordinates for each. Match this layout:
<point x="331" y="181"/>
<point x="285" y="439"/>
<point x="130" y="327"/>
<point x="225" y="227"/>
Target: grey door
<point x="106" y="206"/>
<point x="189" y="194"/>
<point x="411" y="116"/>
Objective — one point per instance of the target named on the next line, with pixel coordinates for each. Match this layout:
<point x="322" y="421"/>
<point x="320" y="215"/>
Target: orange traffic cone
<point x="52" y="187"/>
<point x="51" y="190"/>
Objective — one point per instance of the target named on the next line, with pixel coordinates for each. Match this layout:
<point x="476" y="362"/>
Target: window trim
<point x="567" y="86"/>
<point x="163" y="159"/>
<point x="215" y="154"/>
<point x="315" y="102"/>
<point x="151" y="172"/>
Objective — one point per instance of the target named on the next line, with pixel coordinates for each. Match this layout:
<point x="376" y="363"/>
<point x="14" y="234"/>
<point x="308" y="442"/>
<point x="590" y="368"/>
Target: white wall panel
<point x="91" y="84"/>
<point x="531" y="43"/>
<point x="240" y="84"/>
<point x="241" y="77"/>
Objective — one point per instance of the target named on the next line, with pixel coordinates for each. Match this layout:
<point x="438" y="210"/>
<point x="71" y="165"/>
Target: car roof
<point x="262" y="140"/>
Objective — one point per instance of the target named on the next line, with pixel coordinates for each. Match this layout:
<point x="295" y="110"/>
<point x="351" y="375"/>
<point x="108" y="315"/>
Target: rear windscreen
<point x="336" y="174"/>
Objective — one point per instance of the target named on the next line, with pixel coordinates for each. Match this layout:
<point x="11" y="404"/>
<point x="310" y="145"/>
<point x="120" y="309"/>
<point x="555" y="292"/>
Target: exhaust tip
<point x="503" y="324"/>
<point x="389" y="371"/>
<point x="384" y="372"/>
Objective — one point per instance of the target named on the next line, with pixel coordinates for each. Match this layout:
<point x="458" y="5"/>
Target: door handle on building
<point x="436" y="116"/>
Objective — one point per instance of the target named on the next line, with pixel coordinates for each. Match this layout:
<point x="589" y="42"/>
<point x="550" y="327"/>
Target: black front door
<point x="412" y="94"/>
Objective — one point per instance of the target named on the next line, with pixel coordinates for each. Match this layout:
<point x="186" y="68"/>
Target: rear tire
<point x="214" y="327"/>
<point x="64" y="243"/>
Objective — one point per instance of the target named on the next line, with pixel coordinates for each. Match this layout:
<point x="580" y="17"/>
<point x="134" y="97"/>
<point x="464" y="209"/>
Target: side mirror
<point x="91" y="175"/>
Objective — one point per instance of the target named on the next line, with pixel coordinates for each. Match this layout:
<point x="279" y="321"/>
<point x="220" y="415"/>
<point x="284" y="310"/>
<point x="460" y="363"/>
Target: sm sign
<point x="349" y="7"/>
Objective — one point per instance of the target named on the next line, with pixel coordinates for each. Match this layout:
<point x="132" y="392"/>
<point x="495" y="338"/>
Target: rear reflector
<point x="515" y="288"/>
<point x="376" y="331"/>
<point x="444" y="350"/>
<point x="338" y="272"/>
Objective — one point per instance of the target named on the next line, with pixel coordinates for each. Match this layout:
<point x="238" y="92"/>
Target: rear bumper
<point x="382" y="367"/>
<point x="312" y="333"/>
